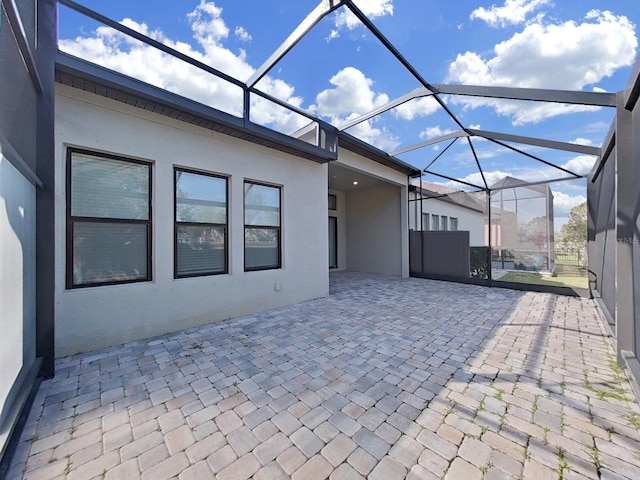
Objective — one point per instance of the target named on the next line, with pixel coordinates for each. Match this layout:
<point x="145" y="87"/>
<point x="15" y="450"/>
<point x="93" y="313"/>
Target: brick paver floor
<point x="387" y="378"/>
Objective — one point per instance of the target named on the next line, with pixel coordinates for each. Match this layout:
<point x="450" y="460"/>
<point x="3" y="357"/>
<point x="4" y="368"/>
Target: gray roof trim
<point x="355" y="145"/>
<point x="93" y="78"/>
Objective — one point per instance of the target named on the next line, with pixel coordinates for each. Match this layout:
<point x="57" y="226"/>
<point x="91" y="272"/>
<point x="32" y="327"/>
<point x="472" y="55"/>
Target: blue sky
<point x="339" y="70"/>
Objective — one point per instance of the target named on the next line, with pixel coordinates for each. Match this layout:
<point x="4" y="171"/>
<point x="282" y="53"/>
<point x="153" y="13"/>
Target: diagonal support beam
<point x="417" y="93"/>
<point x="538" y="142"/>
<point x="598" y="99"/>
<point x="475" y="157"/>
<point x="324" y="8"/>
<point x="538" y="159"/>
<point x="456" y="180"/>
<point x="433" y="141"/>
<point x="405" y="63"/>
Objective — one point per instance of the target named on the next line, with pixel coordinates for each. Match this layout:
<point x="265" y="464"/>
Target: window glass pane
<point x="107" y="188"/>
<point x="443" y="223"/>
<point x="261" y="249"/>
<point x="109" y="252"/>
<point x="200" y="250"/>
<point x="261" y="205"/>
<point x="200" y="198"/>
<point x="425" y="221"/>
<point x="453" y="223"/>
<point x="435" y="222"/>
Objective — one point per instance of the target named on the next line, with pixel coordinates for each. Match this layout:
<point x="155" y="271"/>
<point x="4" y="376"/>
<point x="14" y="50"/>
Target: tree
<point x="573" y="234"/>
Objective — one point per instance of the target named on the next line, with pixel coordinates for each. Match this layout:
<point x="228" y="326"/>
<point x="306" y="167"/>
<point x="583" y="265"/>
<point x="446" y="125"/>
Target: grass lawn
<point x="538" y="279"/>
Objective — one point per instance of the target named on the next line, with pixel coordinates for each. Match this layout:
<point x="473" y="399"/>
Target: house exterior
<point x="163" y="225"/>
<point x="439" y="208"/>
<point x="522" y="225"/>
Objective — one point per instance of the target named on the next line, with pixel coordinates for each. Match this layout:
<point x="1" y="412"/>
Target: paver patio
<point x="387" y="378"/>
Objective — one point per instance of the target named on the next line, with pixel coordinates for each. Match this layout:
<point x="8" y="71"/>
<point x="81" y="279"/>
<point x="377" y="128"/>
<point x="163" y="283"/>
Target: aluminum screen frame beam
<point x="597" y="99"/>
<point x="537" y="142"/>
<point x="324" y="8"/>
<point x="405" y="63"/>
<point x="417" y="93"/>
<point x="433" y="141"/>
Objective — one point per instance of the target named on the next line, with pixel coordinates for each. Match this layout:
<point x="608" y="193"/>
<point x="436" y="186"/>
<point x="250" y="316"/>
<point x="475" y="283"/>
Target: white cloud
<point x="418" y="107"/>
<point x="352" y="94"/>
<point x="371" y="8"/>
<point x="566" y="56"/>
<point x="351" y="97"/>
<point x="563" y="203"/>
<point x="490" y="177"/>
<point x="434" y="132"/>
<point x="242" y="34"/>
<point x="513" y="12"/>
<point x="119" y="52"/>
<point x="581" y="164"/>
<point x="582" y="141"/>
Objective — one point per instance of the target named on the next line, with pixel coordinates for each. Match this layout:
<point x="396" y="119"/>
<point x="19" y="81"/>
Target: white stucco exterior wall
<point x="469" y="220"/>
<point x="375" y="242"/>
<point x="17" y="285"/>
<point x="377" y="229"/>
<point x="95" y="317"/>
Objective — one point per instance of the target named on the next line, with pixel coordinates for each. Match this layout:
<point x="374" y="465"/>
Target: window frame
<point x="177" y="223"/>
<point x="278" y="228"/>
<point x="72" y="220"/>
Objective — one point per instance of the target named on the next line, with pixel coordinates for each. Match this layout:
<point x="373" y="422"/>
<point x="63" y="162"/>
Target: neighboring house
<point x="436" y="207"/>
<point x="522" y="226"/>
<point x="163" y="224"/>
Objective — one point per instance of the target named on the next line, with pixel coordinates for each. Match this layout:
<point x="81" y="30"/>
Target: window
<point x="200" y="224"/>
<point x="261" y="227"/>
<point x="435" y="222"/>
<point x="333" y="202"/>
<point x="108" y="220"/>
<point x="453" y="224"/>
<point x="425" y="222"/>
<point x="444" y="224"/>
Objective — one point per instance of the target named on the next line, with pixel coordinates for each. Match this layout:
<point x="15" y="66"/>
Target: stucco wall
<point x="90" y="318"/>
<point x="376" y="240"/>
<point x="468" y="220"/>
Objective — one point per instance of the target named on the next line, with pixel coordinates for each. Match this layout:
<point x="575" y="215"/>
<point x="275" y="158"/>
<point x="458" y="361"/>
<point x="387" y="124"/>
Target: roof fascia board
<point x="599" y="99"/>
<point x="538" y="142"/>
<point x="105" y="77"/>
<point x="324" y="8"/>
